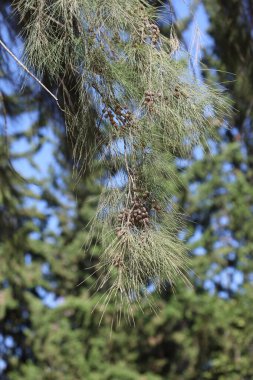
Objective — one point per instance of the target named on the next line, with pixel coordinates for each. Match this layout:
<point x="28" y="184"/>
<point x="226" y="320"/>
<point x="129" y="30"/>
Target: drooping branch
<point x="150" y="110"/>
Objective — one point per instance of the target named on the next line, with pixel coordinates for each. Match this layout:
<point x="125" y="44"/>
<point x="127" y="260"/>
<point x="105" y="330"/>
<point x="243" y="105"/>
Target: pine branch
<point x="150" y="109"/>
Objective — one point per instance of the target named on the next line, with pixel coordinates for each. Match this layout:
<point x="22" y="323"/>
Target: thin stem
<point x="27" y="70"/>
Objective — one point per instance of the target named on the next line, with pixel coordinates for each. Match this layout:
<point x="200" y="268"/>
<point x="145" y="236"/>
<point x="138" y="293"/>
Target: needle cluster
<point x="150" y="109"/>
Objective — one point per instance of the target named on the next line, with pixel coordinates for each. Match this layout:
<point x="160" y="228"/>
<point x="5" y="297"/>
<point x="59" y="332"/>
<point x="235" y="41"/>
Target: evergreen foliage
<point x="195" y="334"/>
<point x="22" y="256"/>
<point x="148" y="104"/>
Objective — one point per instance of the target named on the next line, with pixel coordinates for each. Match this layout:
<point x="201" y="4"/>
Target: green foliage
<point x="19" y="222"/>
<point x="147" y="103"/>
<point x="192" y="334"/>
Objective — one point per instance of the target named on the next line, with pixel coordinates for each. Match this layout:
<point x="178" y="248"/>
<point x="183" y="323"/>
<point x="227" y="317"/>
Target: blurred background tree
<point x="48" y="326"/>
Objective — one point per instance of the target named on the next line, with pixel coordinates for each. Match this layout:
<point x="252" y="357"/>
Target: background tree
<point x="195" y="334"/>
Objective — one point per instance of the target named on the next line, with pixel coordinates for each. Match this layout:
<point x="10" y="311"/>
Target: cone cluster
<point x="149" y="99"/>
<point x="178" y="92"/>
<point x="149" y="30"/>
<point x="155" y="33"/>
<point x="136" y="216"/>
<point x="120" y="118"/>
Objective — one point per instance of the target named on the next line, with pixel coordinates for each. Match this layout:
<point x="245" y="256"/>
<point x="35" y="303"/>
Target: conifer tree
<point x="26" y="209"/>
<point x="224" y="215"/>
<point x="22" y="256"/>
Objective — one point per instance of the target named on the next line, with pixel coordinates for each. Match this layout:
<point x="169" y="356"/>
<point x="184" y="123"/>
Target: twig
<point x="27" y="70"/>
